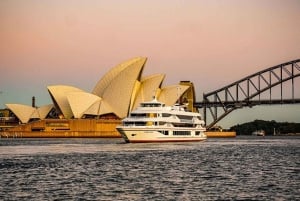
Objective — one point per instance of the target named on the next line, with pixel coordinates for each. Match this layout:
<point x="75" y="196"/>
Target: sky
<point x="209" y="42"/>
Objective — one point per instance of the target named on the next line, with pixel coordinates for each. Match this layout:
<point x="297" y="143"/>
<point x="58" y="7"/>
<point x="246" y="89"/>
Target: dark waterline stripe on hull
<point x="162" y="141"/>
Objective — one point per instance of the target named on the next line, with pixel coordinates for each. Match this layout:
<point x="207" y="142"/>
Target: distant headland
<point x="267" y="127"/>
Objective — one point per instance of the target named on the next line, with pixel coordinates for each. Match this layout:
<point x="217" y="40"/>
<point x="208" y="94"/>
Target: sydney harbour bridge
<point x="274" y="85"/>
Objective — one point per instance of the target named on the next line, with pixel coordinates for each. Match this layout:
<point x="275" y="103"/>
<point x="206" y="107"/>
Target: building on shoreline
<point x="75" y="112"/>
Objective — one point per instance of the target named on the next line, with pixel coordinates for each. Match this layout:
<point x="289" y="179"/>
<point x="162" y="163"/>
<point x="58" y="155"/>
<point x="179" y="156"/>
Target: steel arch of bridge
<point x="247" y="91"/>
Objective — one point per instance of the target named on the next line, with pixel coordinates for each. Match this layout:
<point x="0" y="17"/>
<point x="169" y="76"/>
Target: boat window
<point x="184" y="125"/>
<point x="181" y="132"/>
<point x="161" y="123"/>
<point x="185" y="117"/>
<point x="151" y="104"/>
<point x="134" y="123"/>
<point x="138" y="115"/>
<point x="164" y="132"/>
<point x="166" y="115"/>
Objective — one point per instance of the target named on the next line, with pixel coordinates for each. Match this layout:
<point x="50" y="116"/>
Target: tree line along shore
<point x="268" y="127"/>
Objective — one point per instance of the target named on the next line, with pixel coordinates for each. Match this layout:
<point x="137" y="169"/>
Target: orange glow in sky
<point x="210" y="42"/>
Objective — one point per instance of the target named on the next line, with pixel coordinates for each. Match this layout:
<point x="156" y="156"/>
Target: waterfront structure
<point x="25" y="113"/>
<point x="153" y="121"/>
<point x="116" y="94"/>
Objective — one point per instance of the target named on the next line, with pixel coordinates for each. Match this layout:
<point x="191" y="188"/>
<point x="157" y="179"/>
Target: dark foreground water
<point x="243" y="168"/>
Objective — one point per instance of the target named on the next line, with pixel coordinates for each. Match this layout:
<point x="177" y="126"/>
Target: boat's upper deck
<point x="156" y="107"/>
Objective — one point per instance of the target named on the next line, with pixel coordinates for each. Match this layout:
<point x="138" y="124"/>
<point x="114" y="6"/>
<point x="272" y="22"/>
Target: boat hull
<point x="137" y="135"/>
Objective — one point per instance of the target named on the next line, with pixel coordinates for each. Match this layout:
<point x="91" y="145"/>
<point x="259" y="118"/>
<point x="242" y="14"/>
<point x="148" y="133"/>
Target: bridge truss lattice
<point x="268" y="86"/>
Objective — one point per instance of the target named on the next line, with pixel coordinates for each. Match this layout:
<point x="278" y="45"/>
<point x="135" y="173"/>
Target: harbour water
<point x="241" y="168"/>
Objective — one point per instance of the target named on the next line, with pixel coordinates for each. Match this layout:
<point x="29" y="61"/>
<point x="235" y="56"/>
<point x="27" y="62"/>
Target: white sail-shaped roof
<point x="81" y="101"/>
<point x="148" y="88"/>
<point x="23" y="112"/>
<point x="44" y="110"/>
<point x="117" y="86"/>
<point x="99" y="108"/>
<point x="94" y="109"/>
<point x="35" y="114"/>
<point x="170" y="94"/>
<point x="110" y="76"/>
<point x="59" y="96"/>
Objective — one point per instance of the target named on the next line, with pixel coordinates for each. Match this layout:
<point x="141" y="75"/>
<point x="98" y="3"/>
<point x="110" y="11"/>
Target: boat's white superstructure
<point x="153" y="121"/>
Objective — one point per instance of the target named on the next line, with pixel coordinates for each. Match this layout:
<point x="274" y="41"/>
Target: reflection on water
<point x="257" y="168"/>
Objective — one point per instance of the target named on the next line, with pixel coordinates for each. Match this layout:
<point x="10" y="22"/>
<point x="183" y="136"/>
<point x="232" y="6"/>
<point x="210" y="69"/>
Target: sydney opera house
<point x="78" y="113"/>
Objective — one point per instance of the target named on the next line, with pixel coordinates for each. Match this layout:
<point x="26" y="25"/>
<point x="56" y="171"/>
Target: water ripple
<point x="85" y="169"/>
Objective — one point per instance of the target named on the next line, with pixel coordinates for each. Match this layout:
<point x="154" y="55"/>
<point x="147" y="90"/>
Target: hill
<point x="269" y="127"/>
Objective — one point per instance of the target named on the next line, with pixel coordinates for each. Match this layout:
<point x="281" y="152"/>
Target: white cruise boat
<point x="155" y="122"/>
